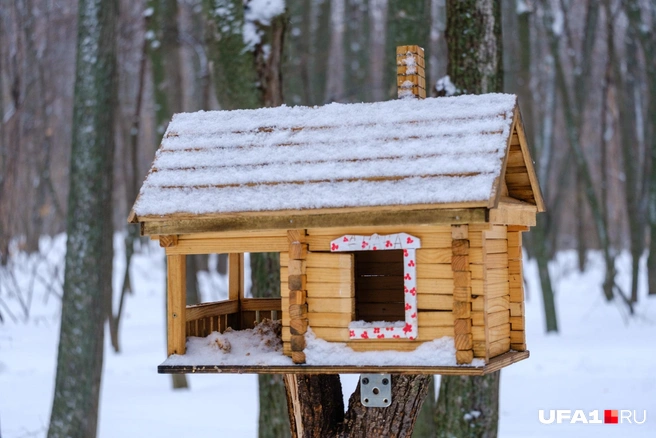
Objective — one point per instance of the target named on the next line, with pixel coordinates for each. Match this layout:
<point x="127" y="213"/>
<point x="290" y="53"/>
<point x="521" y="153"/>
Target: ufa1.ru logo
<point x="611" y="416"/>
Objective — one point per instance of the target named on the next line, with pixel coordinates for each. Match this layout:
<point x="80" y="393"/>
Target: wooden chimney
<point x="410" y="73"/>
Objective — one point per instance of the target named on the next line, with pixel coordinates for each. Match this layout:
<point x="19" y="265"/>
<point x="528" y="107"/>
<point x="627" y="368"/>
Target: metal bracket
<point x="376" y="390"/>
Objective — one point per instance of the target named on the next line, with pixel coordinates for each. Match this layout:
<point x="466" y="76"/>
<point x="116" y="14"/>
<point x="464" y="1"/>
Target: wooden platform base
<point x="495" y="364"/>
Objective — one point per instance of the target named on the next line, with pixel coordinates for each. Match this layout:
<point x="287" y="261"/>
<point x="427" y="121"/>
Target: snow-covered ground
<point x="600" y="360"/>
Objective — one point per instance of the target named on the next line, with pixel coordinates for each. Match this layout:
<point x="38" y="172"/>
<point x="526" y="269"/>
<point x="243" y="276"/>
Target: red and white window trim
<point x="400" y="241"/>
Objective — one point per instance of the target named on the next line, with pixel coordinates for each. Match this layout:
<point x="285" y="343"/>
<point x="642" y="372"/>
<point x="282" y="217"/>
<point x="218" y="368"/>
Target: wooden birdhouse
<point x="399" y="227"/>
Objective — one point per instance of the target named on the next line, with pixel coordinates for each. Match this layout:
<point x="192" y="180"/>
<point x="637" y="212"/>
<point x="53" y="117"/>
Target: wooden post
<point x="410" y="74"/>
<point x="462" y="294"/>
<point x="516" y="284"/>
<point x="235" y="287"/>
<point x="297" y="293"/>
<point x="176" y="304"/>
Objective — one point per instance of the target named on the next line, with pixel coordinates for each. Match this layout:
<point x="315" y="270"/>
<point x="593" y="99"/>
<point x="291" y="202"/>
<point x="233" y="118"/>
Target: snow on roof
<point x="399" y="152"/>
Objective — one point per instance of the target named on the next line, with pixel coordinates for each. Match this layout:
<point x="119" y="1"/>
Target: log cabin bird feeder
<point x="398" y="223"/>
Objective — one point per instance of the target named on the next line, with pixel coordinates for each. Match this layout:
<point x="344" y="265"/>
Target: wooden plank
<point x="479" y="288"/>
<point x="516" y="322"/>
<point x="383" y="345"/>
<point x="497" y="261"/>
<point x="493" y="305"/>
<point x="435" y="318"/>
<point x="434" y="302"/>
<point x="493" y="365"/>
<point x="514" y="252"/>
<point x="328" y="290"/>
<point x="497" y="290"/>
<point x="516" y="309"/>
<point x="437" y="255"/>
<point x="516" y="294"/>
<point x="176" y="308"/>
<point x="431" y="333"/>
<point x="462" y="326"/>
<point x="434" y="270"/>
<point x="261" y="304"/>
<point x="518" y="347"/>
<point x="296" y="267"/>
<point x="323" y="305"/>
<point x="462" y="294"/>
<point x="297" y="282"/>
<point x="517" y="336"/>
<point x="417" y="231"/>
<point x="517" y="179"/>
<point x="426" y="214"/>
<point x="475" y="255"/>
<point x="228" y="245"/>
<point x="297" y="251"/>
<point x="235" y="276"/>
<point x="461" y="309"/>
<point x="496" y="276"/>
<point x="434" y="286"/>
<point x="537" y="194"/>
<point x="332" y="334"/>
<point x="493" y="319"/>
<point x="477" y="272"/>
<point x="328" y="260"/>
<point x="459" y="232"/>
<point x="462" y="279"/>
<point x="514" y="239"/>
<point x="460" y="263"/>
<point x="513" y="214"/>
<point x="204" y="310"/>
<point x="464" y="341"/>
<point x="496" y="246"/>
<point x="499" y="347"/>
<point x="496" y="232"/>
<point x="464" y="356"/>
<point x="329" y="319"/>
<point x="330" y="275"/>
<point x="168" y="241"/>
<point x="296" y="236"/>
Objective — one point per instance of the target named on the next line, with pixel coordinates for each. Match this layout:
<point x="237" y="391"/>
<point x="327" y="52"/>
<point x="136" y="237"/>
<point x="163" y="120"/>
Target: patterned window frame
<point x="398" y="241"/>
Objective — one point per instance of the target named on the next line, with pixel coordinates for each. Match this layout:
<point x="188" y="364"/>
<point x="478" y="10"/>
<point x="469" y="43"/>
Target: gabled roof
<point x="448" y="152"/>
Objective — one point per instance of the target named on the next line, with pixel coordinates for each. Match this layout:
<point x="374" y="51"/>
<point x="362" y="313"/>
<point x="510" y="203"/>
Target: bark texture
<point x="473" y="36"/>
<point x="475" y="66"/>
<point x="89" y="252"/>
<point x="273" y="417"/>
<point x="468" y="406"/>
<point x="316" y="408"/>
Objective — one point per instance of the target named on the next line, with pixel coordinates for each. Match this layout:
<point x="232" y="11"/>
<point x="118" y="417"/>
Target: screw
<point x="365" y="381"/>
<point x="385" y="381"/>
<point x="385" y="401"/>
<point x="366" y="400"/>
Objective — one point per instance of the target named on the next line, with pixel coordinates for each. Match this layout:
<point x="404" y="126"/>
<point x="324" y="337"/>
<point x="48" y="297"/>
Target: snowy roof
<point x="447" y="150"/>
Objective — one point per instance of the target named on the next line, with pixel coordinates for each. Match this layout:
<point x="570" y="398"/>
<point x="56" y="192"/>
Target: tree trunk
<point x="425" y="425"/>
<point x="317" y="411"/>
<point x="474" y="41"/>
<point x="273" y="417"/>
<point x="468" y="406"/>
<point x="89" y="251"/>
<point x="538" y="241"/>
<point x="335" y="72"/>
<point x="258" y="65"/>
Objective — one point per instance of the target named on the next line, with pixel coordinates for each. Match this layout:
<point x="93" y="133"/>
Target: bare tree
<point x="88" y="273"/>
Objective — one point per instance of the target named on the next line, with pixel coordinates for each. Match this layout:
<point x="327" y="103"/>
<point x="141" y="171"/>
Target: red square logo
<point x="610" y="416"/>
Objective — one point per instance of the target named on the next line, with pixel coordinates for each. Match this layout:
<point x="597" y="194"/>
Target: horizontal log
<point x="329" y="319"/>
<point x="516" y="322"/>
<point x="329" y="260"/>
<point x="496" y="246"/>
<point x="261" y="304"/>
<point x="434" y="270"/>
<point x="435" y="302"/>
<point x="493" y="304"/>
<point x="435" y="255"/>
<point x="435" y="318"/>
<point x="228" y="245"/>
<point x="205" y="310"/>
<point x="424" y="214"/>
<point x="496" y="232"/>
<point x="493" y="319"/>
<point x="461" y="309"/>
<point x="517" y="336"/>
<point x="337" y="305"/>
<point x="499" y="347"/>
